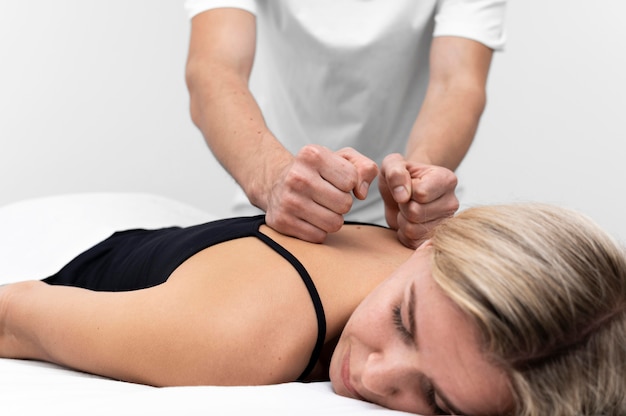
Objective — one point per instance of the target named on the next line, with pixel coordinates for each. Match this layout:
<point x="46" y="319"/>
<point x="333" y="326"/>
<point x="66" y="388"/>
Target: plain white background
<point x="92" y="98"/>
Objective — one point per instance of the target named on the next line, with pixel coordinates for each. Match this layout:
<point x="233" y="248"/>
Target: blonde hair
<point x="547" y="290"/>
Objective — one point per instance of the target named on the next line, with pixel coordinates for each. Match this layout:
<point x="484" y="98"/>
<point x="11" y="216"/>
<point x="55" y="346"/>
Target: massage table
<point x="38" y="236"/>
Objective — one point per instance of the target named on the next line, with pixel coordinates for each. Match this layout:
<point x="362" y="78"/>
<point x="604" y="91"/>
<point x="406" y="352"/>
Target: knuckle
<point x="370" y="168"/>
<point x="396" y="176"/>
<point x="344" y="205"/>
<point x="310" y="152"/>
<point x="344" y="151"/>
<point x="296" y="181"/>
<point x="310" y="234"/>
<point x="408" y="242"/>
<point x="396" y="170"/>
<point x="283" y="207"/>
<point x="421" y="194"/>
<point x="392" y="157"/>
<point x="275" y="221"/>
<point x="316" y="237"/>
<point x="334" y="223"/>
<point x="453" y="180"/>
<point x="404" y="239"/>
<point x="290" y="203"/>
<point x="413" y="211"/>
<point x="351" y="180"/>
<point x="415" y="232"/>
<point x="454" y="206"/>
<point x="446" y="178"/>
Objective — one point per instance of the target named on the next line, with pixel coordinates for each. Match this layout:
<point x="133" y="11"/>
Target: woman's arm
<point x="182" y="333"/>
<point x="131" y="336"/>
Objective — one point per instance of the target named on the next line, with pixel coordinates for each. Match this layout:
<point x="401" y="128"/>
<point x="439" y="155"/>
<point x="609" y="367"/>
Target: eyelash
<point x="407" y="336"/>
<point x="430" y="399"/>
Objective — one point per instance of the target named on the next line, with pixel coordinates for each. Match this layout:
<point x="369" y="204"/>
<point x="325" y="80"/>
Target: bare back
<point x="344" y="269"/>
<point x="236" y="313"/>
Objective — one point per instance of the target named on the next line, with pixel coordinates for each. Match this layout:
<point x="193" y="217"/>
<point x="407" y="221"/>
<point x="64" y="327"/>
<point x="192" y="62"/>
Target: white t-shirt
<point x="351" y="72"/>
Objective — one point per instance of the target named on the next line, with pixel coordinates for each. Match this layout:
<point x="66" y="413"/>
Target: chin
<point x="334" y="373"/>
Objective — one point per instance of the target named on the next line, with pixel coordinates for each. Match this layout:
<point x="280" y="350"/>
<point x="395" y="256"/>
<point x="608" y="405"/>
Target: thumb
<point x="366" y="170"/>
<point x="397" y="177"/>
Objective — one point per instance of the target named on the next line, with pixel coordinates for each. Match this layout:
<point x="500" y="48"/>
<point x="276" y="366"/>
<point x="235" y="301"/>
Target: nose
<point x="385" y="375"/>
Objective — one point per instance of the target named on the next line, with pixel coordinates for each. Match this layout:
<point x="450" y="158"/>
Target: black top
<point x="137" y="259"/>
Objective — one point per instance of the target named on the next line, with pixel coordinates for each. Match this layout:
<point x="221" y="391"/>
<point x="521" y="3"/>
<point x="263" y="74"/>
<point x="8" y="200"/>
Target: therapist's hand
<point x="417" y="197"/>
<point x="314" y="191"/>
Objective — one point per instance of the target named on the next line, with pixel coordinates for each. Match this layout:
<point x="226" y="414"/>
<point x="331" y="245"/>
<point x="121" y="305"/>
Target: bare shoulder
<point x="347" y="266"/>
<point x="353" y="247"/>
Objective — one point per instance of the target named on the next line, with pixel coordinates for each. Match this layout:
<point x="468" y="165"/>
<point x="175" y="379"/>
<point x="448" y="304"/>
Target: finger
<point x="305" y="181"/>
<point x="295" y="227"/>
<point x="391" y="206"/>
<point x="413" y="235"/>
<point x="332" y="199"/>
<point x="366" y="170"/>
<point x="333" y="168"/>
<point x="429" y="182"/>
<point x="397" y="177"/>
<point x="294" y="202"/>
<point x="443" y="207"/>
<point x="303" y="218"/>
<point x="304" y="184"/>
<point x="324" y="210"/>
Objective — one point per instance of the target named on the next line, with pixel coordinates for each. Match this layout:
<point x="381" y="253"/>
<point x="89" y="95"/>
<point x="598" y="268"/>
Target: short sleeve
<point x="194" y="7"/>
<point x="479" y="20"/>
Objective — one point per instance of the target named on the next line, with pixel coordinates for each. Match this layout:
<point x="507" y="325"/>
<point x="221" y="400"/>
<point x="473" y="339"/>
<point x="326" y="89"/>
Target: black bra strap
<point x="315" y="298"/>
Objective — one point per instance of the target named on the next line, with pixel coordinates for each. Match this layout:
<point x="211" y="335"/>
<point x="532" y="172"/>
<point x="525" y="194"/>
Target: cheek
<point x="363" y="332"/>
<point x="356" y="325"/>
<point x="371" y="320"/>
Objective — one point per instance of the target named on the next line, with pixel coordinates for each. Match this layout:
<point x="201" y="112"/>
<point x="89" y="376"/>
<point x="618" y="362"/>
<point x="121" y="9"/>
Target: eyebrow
<point x="426" y="382"/>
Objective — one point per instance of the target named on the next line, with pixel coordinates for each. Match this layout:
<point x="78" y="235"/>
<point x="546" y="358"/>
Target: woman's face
<point x="408" y="347"/>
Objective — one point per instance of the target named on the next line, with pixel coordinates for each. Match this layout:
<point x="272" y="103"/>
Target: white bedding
<point x="37" y="237"/>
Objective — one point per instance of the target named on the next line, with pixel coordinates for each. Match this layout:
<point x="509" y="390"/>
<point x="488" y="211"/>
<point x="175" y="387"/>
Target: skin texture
<point x="306" y="195"/>
<point x="395" y="361"/>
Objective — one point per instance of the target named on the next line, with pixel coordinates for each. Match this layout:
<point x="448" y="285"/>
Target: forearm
<point x="95" y="332"/>
<point x="232" y="124"/>
<point x="221" y="55"/>
<point x="446" y="125"/>
<point x="454" y="102"/>
<point x="24" y="331"/>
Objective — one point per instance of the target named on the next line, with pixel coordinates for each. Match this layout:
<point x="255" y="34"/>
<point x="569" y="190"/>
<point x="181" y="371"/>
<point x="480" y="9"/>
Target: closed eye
<point x="432" y="402"/>
<point x="406" y="334"/>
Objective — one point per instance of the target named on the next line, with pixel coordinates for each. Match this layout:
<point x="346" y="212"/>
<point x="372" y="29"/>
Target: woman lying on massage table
<point x="505" y="310"/>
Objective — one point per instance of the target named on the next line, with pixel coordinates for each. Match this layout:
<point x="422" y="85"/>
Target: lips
<point x="345" y="376"/>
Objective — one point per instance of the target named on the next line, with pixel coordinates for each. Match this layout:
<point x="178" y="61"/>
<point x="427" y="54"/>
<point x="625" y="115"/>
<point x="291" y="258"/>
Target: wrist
<point x="263" y="178"/>
<point x="420" y="157"/>
<point x="7" y="334"/>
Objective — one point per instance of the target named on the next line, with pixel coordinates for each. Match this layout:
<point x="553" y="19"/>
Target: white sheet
<point x="37" y="237"/>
